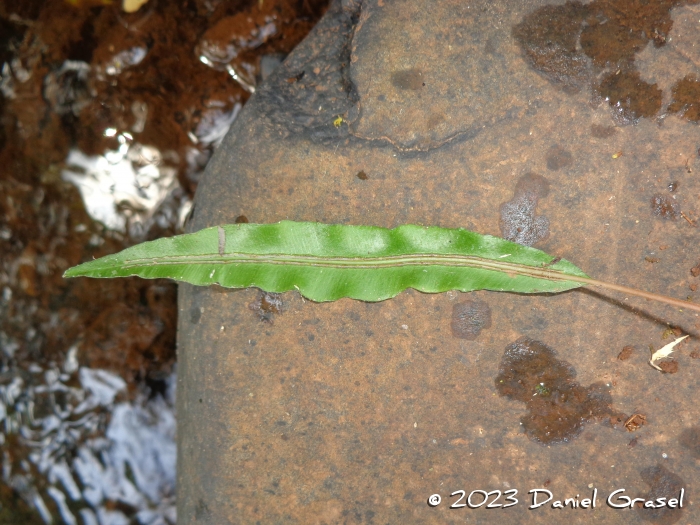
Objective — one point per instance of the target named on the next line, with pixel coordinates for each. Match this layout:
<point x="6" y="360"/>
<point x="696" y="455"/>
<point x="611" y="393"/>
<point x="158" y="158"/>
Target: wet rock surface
<point x="519" y="222"/>
<point x="690" y="439"/>
<point x="267" y="305"/>
<point x="351" y="411"/>
<point x="662" y="484"/>
<point x="549" y="38"/>
<point x="686" y="98"/>
<point x="469" y="318"/>
<point x="626" y="353"/>
<point x="420" y="89"/>
<point x="576" y="45"/>
<point x="558" y="407"/>
<point x="316" y="88"/>
<point x="558" y="158"/>
<point x="630" y="97"/>
<point x="665" y="206"/>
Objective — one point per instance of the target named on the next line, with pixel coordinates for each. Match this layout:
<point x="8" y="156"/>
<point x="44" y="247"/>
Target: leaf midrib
<point x="390" y="261"/>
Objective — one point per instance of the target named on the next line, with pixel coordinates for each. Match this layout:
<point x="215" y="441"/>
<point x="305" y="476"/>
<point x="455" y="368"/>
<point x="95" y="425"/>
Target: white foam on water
<point x="60" y="500"/>
<point x="133" y="461"/>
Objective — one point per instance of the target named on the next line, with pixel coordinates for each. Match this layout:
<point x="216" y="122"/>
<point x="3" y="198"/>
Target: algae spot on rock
<point x="663" y="484"/>
<point x="630" y="97"/>
<point x="549" y="38"/>
<point x="686" y="98"/>
<point x="610" y="43"/>
<point x="518" y="221"/>
<point x="558" y="158"/>
<point x="665" y="206"/>
<point x="469" y="318"/>
<point x="690" y="439"/>
<point x="571" y="44"/>
<point x="267" y="305"/>
<point x="411" y="79"/>
<point x="558" y="406"/>
<point x="602" y="132"/>
<point x="195" y="314"/>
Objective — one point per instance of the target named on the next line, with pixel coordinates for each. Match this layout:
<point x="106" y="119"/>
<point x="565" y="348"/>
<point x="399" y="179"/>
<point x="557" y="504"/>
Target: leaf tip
<point x="71" y="272"/>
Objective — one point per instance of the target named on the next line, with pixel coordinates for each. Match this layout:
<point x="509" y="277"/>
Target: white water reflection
<point x="92" y="451"/>
<point x="125" y="188"/>
<point x="122" y="60"/>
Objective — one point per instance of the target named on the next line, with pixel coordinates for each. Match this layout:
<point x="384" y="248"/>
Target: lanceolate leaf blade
<point x="327" y="262"/>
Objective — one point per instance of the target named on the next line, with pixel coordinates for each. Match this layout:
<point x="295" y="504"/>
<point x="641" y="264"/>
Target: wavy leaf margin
<point x="326" y="262"/>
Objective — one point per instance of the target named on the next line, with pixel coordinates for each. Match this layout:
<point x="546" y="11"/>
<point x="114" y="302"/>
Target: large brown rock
<point x="458" y="115"/>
